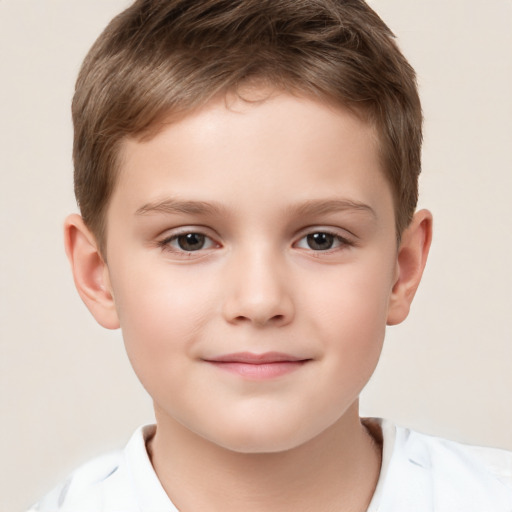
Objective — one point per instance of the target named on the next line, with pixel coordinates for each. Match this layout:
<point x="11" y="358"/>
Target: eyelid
<point x="174" y="234"/>
<point x="345" y="240"/>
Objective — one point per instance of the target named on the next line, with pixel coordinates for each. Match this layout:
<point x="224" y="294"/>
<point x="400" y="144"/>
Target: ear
<point x="411" y="260"/>
<point x="90" y="271"/>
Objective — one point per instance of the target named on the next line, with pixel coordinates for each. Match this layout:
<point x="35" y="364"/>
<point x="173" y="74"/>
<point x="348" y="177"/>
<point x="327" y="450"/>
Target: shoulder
<point x="104" y="484"/>
<point x="473" y="460"/>
<point x="83" y="487"/>
<point x="449" y="476"/>
<point x="486" y="466"/>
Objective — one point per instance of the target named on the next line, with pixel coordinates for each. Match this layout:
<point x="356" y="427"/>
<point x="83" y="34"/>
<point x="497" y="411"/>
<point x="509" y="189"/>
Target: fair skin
<point x="252" y="265"/>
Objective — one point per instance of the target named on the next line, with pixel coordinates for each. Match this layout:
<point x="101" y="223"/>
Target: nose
<point x="258" y="291"/>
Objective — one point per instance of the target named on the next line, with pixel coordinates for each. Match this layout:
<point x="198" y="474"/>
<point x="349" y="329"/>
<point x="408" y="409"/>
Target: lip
<point x="268" y="365"/>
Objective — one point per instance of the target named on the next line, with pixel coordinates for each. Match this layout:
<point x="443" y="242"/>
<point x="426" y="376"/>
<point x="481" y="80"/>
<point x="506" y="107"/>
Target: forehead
<point x="264" y="146"/>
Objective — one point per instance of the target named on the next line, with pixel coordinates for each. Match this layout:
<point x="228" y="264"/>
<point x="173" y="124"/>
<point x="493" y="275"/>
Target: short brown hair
<point x="170" y="56"/>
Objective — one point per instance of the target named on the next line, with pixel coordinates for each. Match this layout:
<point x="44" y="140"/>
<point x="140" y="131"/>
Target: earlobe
<point x="90" y="272"/>
<point x="411" y="260"/>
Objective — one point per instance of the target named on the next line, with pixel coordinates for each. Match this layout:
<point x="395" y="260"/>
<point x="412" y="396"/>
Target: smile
<point x="258" y="366"/>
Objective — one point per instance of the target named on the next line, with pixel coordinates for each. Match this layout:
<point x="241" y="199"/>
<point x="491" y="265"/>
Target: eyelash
<point x="342" y="243"/>
<point x="165" y="244"/>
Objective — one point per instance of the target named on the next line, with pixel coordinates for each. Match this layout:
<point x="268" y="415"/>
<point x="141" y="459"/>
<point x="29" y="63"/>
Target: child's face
<point x="254" y="229"/>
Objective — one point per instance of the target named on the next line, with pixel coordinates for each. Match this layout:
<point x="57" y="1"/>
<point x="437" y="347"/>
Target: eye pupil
<point x="320" y="241"/>
<point x="191" y="241"/>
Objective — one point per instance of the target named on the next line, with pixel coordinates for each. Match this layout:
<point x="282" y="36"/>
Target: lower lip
<point x="259" y="371"/>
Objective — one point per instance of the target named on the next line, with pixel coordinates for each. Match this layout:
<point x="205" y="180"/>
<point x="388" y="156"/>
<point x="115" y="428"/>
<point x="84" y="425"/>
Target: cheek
<point x="350" y="313"/>
<point x="355" y="296"/>
<point x="161" y="313"/>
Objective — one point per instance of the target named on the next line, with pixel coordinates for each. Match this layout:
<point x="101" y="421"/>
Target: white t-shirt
<point x="419" y="473"/>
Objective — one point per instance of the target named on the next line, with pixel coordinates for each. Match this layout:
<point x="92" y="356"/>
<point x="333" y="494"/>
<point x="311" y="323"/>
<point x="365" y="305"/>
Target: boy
<point x="247" y="177"/>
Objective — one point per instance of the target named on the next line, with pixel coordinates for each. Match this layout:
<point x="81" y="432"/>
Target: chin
<point x="259" y="446"/>
<point x="259" y="439"/>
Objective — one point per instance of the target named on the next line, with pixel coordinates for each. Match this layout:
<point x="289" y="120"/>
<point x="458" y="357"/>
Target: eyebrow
<point x="323" y="207"/>
<point x="173" y="206"/>
<point x="308" y="208"/>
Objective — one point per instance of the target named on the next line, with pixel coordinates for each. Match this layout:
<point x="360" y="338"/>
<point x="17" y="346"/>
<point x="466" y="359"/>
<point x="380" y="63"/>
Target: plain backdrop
<point x="67" y="392"/>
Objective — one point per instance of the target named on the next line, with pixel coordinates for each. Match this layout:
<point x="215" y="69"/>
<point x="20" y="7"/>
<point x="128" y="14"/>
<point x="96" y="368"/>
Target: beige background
<point x="66" y="390"/>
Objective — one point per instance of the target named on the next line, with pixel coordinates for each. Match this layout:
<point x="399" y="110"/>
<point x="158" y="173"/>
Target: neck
<point x="337" y="470"/>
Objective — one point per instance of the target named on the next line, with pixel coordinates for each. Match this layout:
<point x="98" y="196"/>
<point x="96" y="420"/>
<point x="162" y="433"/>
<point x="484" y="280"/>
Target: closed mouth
<point x="251" y="358"/>
<point x="264" y="366"/>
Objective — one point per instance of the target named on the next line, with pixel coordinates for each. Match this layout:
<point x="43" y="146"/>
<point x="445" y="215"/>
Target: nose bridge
<point x="258" y="287"/>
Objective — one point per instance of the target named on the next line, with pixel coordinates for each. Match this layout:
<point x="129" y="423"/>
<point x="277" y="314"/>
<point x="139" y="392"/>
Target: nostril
<point x="278" y="319"/>
<point x="260" y="310"/>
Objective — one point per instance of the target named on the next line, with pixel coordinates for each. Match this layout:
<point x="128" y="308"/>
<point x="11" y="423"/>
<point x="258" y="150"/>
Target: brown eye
<point x="320" y="241"/>
<point x="191" y="242"/>
<point x="186" y="243"/>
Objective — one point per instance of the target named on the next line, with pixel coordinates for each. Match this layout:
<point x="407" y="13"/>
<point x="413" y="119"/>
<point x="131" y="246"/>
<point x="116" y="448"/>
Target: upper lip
<point x="251" y="358"/>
